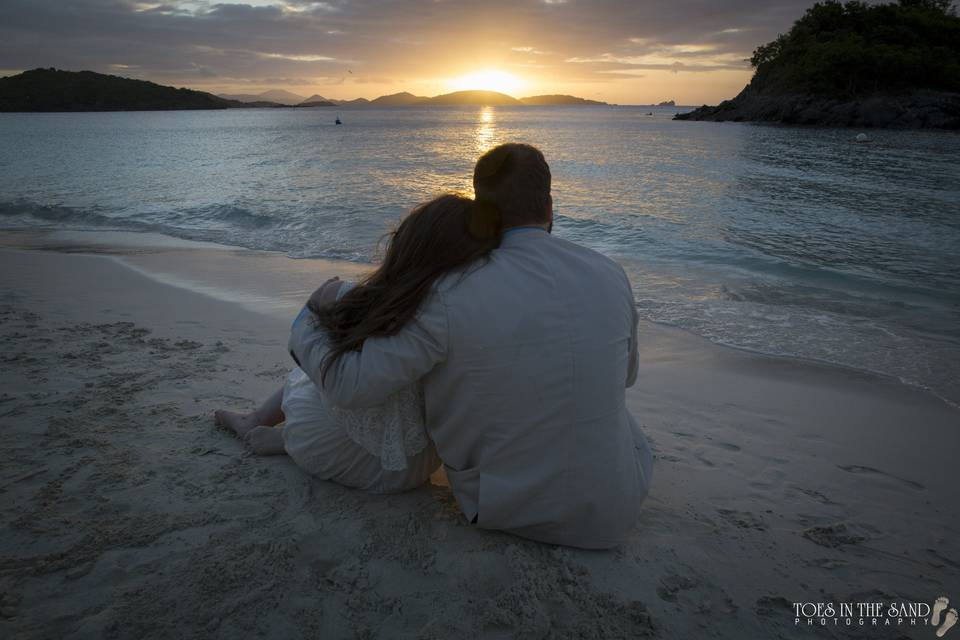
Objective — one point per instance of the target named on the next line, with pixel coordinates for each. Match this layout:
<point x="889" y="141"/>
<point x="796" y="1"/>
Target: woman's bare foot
<point x="240" y="424"/>
<point x="266" y="441"/>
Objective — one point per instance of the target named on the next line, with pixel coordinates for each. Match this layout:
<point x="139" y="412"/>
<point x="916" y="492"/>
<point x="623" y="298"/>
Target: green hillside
<point x="54" y="90"/>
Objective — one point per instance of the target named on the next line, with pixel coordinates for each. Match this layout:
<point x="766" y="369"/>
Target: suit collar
<point x="516" y="235"/>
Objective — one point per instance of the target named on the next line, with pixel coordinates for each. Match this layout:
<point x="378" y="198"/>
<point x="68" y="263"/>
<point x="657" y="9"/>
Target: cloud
<point x="675" y="58"/>
<point x="298" y="57"/>
<point x="209" y="43"/>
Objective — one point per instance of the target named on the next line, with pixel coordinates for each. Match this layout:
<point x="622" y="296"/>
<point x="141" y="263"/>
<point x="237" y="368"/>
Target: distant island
<point x="276" y="96"/>
<point x="316" y="103"/>
<point x="405" y="99"/>
<point x="57" y="90"/>
<point x="891" y="65"/>
<point x="54" y="90"/>
<point x="476" y="98"/>
<point x="554" y="99"/>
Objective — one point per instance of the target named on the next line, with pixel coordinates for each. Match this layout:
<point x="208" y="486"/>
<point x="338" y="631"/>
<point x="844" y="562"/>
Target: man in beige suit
<point x="524" y="363"/>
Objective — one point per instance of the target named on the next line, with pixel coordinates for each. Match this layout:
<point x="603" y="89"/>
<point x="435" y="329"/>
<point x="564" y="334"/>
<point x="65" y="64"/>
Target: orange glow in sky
<point x="490" y="80"/>
<point x="619" y="51"/>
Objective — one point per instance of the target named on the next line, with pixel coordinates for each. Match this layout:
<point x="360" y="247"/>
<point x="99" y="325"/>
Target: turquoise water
<point x="787" y="241"/>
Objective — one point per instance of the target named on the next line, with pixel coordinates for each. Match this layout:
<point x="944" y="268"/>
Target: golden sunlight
<point x="485" y="136"/>
<point x="489" y="80"/>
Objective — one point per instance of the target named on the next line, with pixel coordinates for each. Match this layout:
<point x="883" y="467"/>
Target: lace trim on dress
<point x="393" y="430"/>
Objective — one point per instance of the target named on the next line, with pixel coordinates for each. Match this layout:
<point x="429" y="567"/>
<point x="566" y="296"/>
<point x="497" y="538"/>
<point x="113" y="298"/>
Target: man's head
<point x="517" y="179"/>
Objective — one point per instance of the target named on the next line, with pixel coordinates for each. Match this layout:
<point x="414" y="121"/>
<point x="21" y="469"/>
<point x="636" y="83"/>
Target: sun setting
<point x="489" y="80"/>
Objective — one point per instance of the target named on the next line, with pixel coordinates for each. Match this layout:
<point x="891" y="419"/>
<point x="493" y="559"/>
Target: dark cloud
<point x="205" y="43"/>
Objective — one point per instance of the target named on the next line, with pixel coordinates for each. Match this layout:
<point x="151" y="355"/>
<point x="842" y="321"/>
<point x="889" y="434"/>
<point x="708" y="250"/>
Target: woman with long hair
<point x="381" y="449"/>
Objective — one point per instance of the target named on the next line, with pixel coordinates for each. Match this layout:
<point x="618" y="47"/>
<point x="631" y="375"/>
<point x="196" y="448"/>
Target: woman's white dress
<point x="382" y="449"/>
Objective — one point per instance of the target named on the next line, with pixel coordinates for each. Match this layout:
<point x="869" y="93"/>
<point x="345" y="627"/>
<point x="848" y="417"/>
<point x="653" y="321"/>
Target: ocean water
<point x="788" y="241"/>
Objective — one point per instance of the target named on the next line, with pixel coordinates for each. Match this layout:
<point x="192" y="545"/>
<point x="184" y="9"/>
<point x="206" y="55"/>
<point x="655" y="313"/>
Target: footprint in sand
<point x="856" y="468"/>
<point x="673" y="584"/>
<point x="742" y="519"/>
<point x="666" y="457"/>
<point x="729" y="446"/>
<point x="704" y="460"/>
<point x="948" y="622"/>
<point x="940" y="561"/>
<point x="770" y="606"/>
<point x="832" y="535"/>
<point x="816" y="495"/>
<point x="938" y="608"/>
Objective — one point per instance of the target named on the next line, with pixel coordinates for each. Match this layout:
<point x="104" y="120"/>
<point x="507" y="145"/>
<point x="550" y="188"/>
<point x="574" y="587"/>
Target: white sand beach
<point x="127" y="514"/>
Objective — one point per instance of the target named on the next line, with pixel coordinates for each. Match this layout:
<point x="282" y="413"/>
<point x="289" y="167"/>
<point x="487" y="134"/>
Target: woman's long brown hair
<point x="436" y="238"/>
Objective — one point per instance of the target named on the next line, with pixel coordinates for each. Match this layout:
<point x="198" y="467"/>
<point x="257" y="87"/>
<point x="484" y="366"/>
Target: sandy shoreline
<point x="126" y="514"/>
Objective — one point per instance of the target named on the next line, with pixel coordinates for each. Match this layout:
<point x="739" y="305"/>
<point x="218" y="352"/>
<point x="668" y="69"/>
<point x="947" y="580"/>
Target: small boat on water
<point x="338" y="119"/>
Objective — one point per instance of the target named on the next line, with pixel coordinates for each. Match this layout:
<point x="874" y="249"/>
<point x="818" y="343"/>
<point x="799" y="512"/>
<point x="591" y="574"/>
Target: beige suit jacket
<point x="524" y="362"/>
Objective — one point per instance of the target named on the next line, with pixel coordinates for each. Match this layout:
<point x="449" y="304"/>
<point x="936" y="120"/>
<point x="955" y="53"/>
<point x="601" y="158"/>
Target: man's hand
<point x="326" y="294"/>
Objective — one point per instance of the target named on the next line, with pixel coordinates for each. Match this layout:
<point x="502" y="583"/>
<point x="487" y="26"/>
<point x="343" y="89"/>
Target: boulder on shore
<point x="920" y="110"/>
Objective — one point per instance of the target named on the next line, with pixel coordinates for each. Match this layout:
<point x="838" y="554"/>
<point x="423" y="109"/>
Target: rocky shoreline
<point x="922" y="110"/>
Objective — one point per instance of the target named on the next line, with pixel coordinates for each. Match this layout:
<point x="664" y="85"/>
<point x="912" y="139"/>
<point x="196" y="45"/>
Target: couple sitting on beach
<point x="483" y="343"/>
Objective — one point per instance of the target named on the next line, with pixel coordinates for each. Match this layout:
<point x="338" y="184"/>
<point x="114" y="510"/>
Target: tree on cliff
<point x="853" y="49"/>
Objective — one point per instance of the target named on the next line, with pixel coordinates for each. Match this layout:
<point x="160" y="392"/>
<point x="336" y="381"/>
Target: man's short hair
<point x="516" y="178"/>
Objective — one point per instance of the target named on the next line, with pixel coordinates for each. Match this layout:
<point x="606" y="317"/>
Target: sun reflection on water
<point x="485" y="135"/>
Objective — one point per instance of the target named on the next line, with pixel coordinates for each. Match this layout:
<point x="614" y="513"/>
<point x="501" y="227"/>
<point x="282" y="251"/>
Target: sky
<point x="618" y="51"/>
